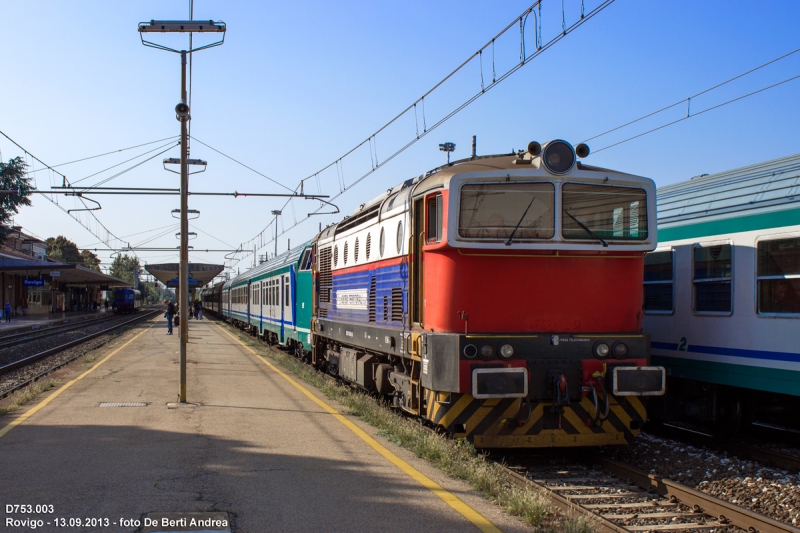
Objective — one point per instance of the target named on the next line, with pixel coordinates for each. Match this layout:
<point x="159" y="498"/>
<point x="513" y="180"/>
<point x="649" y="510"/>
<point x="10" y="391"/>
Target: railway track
<point x="7" y="341"/>
<point x="60" y="362"/>
<point x="619" y="498"/>
<point x="742" y="450"/>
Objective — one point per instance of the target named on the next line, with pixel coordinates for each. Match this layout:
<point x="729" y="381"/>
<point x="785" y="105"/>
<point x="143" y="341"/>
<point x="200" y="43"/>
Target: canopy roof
<point x="61" y="272"/>
<point x="168" y="273"/>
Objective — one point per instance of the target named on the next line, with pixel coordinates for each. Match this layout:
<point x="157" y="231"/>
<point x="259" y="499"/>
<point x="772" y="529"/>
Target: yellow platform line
<point x="29" y="413"/>
<point x="480" y="521"/>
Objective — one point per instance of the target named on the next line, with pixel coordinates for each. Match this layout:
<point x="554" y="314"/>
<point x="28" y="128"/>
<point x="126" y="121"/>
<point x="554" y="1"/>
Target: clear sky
<point x="298" y="84"/>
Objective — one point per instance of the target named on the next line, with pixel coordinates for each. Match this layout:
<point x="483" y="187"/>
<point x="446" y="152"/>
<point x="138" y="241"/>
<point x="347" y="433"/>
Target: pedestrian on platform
<point x="7" y="311"/>
<point x="170" y="314"/>
<point x="105" y="303"/>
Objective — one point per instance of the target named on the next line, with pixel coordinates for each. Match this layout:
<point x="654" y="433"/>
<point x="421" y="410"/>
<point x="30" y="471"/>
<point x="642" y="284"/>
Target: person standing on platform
<point x="170" y="315"/>
<point x="105" y="303"/>
<point x="7" y="311"/>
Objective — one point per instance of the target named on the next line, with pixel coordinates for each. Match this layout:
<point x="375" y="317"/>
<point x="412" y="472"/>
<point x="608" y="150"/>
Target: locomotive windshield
<point x="605" y="212"/>
<point x="493" y="211"/>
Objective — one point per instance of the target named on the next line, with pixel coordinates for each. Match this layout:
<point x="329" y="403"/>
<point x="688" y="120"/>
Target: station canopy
<point x="199" y="273"/>
<point x="60" y="272"/>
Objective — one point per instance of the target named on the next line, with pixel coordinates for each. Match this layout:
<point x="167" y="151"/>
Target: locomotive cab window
<point x="498" y="211"/>
<point x="434" y="227"/>
<point x="603" y="211"/>
<point x="778" y="277"/>
<point x="659" y="267"/>
<point x="712" y="266"/>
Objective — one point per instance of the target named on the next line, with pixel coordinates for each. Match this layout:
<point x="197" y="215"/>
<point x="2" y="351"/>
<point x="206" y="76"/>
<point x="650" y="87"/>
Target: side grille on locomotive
<point x="372" y="297"/>
<point x="397" y="304"/>
<point x="325" y="278"/>
<point x="385" y="308"/>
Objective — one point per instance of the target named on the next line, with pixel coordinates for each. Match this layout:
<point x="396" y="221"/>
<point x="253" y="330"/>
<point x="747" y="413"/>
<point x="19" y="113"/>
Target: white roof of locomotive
<point x="398" y="198"/>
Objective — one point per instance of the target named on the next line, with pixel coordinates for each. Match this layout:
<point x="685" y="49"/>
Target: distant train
<point x="497" y="297"/>
<point x="722" y="296"/>
<point x="127" y="300"/>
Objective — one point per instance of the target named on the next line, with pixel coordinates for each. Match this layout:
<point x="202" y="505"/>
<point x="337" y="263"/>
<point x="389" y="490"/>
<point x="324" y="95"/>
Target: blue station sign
<point x="33" y="282"/>
<point x="176" y="281"/>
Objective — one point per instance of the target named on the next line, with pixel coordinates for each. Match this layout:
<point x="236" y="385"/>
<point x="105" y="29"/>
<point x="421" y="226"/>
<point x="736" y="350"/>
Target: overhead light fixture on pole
<point x="447" y="147"/>
<point x="182" y="113"/>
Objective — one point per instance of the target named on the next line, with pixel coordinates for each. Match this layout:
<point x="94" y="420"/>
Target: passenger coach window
<point x="493" y="211"/>
<point x="305" y="262"/>
<point x="614" y="213"/>
<point x="434" y="230"/>
<point x="713" y="272"/>
<point x="778" y="276"/>
<point x="658" y="282"/>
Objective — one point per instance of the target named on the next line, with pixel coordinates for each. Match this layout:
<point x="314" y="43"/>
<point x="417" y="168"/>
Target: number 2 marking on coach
<point x="682" y="345"/>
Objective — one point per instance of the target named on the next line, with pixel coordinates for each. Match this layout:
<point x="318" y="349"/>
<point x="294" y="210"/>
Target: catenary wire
<point x="245" y="166"/>
<point x="717" y="86"/>
<point x="695" y="114"/>
<point x="108" y="153"/>
<point x="171" y="144"/>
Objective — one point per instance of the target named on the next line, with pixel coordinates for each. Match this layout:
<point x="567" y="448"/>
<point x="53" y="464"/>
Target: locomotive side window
<point x="713" y="273"/>
<point x="778" y="277"/>
<point x="495" y="211"/>
<point x="434" y="227"/>
<point x="658" y="282"/>
<point x="399" y="236"/>
<point x="604" y="211"/>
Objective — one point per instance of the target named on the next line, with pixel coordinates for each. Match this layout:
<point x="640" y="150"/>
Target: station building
<point x="35" y="285"/>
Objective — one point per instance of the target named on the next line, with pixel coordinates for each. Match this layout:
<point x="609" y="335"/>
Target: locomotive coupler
<point x="600" y="379"/>
<point x="560" y="395"/>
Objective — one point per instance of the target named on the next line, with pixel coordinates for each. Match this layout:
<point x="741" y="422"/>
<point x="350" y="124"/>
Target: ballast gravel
<point x="770" y="491"/>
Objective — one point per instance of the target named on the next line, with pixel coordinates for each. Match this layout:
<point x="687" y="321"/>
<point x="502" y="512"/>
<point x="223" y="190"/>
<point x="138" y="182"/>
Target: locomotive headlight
<point x="558" y="156"/>
<point x="506" y="351"/>
<point x="487" y="351"/>
<point x="620" y="350"/>
<point x="470" y="351"/>
<point x="601" y="350"/>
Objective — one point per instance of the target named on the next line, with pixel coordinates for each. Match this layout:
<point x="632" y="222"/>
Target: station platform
<point x="110" y="443"/>
<point x="21" y="323"/>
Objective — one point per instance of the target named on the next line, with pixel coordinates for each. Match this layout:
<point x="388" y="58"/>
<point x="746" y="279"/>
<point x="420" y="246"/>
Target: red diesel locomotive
<point x="498" y="297"/>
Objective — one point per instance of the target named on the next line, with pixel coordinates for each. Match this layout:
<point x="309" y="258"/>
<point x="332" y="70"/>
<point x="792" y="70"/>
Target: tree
<point x="123" y="267"/>
<point x="12" y="177"/>
<point x="90" y="260"/>
<point x="63" y="250"/>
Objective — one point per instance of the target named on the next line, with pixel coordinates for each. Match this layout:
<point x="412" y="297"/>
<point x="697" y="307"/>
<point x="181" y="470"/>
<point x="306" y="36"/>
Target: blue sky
<point x="298" y="84"/>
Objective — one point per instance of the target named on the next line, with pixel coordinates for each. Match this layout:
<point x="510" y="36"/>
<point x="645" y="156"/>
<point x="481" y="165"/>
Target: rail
<point x="16" y="365"/>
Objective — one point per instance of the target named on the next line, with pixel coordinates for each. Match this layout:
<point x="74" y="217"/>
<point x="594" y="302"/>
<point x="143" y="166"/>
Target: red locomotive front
<point x="521" y="322"/>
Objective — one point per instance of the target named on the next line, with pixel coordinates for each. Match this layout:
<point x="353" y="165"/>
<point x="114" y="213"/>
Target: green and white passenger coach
<point x="722" y="295"/>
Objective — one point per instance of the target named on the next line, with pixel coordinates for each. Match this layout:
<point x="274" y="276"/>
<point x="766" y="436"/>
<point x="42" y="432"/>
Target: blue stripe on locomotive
<point x="386" y="279"/>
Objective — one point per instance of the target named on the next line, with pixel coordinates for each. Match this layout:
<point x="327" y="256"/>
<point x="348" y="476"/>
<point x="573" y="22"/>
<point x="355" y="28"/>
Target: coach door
<point x="260" y="297"/>
<point x="249" y="295"/>
<point x="283" y="301"/>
